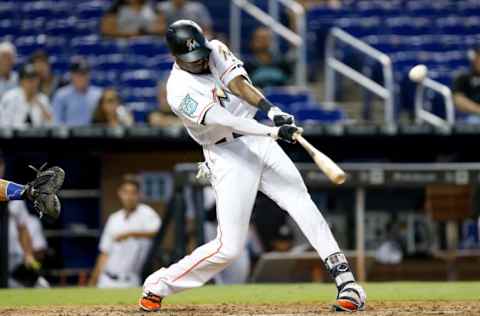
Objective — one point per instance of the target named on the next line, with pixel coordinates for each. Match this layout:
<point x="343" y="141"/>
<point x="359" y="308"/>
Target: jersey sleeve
<point x="227" y="64"/>
<point x="106" y="241"/>
<point x="191" y="106"/>
<point x="19" y="212"/>
<point x="152" y="221"/>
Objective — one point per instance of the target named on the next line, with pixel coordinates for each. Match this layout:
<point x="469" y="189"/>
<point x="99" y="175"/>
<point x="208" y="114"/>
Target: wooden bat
<point x="331" y="169"/>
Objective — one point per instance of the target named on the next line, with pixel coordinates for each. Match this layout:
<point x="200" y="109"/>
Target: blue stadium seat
<point x="91" y="9"/>
<point x="139" y="78"/>
<point x="310" y="114"/>
<point x="286" y="96"/>
<point x="147" y="46"/>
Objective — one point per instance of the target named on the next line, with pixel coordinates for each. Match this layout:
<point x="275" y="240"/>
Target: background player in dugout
<point x="210" y="91"/>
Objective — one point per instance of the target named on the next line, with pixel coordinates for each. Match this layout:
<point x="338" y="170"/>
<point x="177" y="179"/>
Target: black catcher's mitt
<point x="42" y="191"/>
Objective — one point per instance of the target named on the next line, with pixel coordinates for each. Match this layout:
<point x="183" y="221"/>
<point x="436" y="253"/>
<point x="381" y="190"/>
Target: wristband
<point x="265" y="105"/>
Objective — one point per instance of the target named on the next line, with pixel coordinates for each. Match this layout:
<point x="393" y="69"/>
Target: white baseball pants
<point x="240" y="168"/>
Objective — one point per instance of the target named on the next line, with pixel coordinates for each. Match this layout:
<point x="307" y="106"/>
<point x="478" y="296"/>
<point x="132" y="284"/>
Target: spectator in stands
<point x="466" y="90"/>
<point x="75" y="103"/>
<point x="8" y="77"/>
<point x="163" y="116"/>
<point x="48" y="82"/>
<point x="126" y="240"/>
<point x="187" y="10"/>
<point x="110" y="112"/>
<point x="129" y="18"/>
<point x="25" y="105"/>
<point x="265" y="69"/>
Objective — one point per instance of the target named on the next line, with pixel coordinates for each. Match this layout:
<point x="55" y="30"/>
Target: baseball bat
<point x="331" y="169"/>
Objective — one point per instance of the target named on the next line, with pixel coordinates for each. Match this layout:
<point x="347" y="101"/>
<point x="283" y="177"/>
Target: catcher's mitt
<point x="42" y="191"/>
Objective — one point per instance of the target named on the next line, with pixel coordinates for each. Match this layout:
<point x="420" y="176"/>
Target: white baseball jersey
<point x="190" y="95"/>
<point x="18" y="217"/>
<point x="239" y="167"/>
<point x="126" y="257"/>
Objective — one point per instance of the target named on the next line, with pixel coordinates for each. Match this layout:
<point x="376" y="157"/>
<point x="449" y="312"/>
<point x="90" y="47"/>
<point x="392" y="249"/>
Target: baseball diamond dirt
<point x="374" y="309"/>
<point x="395" y="298"/>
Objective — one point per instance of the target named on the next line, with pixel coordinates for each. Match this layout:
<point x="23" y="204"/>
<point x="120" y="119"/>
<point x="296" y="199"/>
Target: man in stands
<point x="24" y="105"/>
<point x="266" y="69"/>
<point x="466" y="90"/>
<point x="73" y="105"/>
<point x="8" y="77"/>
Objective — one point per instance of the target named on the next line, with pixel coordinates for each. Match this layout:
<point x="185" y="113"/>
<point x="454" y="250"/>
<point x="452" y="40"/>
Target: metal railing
<point x="271" y="20"/>
<point x="422" y="115"/>
<point x="332" y="65"/>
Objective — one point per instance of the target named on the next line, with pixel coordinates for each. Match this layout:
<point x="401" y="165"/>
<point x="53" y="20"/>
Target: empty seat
<point x="139" y="78"/>
<point x="311" y="114"/>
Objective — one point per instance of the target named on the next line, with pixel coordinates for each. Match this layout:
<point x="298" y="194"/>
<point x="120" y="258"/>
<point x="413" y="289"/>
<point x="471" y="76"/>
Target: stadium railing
<point x="333" y="65"/>
<point x="270" y="19"/>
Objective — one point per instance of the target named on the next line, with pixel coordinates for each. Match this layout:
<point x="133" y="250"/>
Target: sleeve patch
<point x="188" y="106"/>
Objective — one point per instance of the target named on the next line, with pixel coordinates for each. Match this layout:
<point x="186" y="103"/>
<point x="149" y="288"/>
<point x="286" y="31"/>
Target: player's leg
<point x="282" y="182"/>
<point x="10" y="191"/>
<point x="236" y="185"/>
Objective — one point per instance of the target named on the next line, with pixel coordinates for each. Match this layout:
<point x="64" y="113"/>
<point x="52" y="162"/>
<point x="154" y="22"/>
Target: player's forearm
<point x="217" y="115"/>
<point x="243" y="89"/>
<point x="143" y="234"/>
<point x="465" y="104"/>
<point x="25" y="241"/>
<point x="99" y="266"/>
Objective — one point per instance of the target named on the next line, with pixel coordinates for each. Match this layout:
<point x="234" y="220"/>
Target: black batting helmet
<point x="186" y="41"/>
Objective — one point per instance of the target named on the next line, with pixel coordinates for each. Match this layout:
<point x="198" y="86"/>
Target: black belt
<point x="224" y="140"/>
<point x="114" y="276"/>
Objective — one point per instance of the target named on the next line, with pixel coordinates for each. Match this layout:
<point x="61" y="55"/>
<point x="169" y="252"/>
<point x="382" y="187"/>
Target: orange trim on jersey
<point x="226" y="71"/>
<point x="203" y="259"/>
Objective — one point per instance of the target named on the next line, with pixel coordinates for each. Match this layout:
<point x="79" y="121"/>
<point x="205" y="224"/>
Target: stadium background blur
<point x="97" y="153"/>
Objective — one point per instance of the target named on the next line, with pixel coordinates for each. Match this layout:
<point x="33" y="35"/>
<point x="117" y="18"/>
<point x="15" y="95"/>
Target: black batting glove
<point x="287" y="132"/>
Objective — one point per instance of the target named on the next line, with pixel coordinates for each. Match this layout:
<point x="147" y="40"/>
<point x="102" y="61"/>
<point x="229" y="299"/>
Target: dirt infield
<point x="377" y="309"/>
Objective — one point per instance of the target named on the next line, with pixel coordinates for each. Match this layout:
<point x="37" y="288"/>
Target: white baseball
<point x="418" y="73"/>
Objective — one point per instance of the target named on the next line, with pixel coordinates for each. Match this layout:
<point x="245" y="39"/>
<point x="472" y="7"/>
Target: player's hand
<point x="31" y="262"/>
<point x="279" y="117"/>
<point x="287" y="133"/>
<point x="122" y="237"/>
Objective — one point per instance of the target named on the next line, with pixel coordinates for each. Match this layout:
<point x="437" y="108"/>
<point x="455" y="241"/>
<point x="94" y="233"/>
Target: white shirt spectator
<point x="7" y="84"/>
<point x="18" y="213"/>
<point x="16" y="111"/>
<point x="131" y="21"/>
<point x="126" y="257"/>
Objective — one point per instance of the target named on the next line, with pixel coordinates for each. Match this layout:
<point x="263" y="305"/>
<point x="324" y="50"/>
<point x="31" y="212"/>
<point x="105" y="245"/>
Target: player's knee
<point x="229" y="254"/>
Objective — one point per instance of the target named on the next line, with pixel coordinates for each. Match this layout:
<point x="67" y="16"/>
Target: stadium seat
<point x="312" y="114"/>
<point x="139" y="78"/>
<point x="286" y="96"/>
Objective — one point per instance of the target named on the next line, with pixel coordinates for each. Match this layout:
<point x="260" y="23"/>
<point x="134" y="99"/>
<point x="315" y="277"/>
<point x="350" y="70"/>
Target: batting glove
<point x="287" y="133"/>
<point x="279" y="117"/>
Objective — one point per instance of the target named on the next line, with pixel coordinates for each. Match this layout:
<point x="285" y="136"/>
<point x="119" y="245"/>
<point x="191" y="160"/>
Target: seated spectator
<point x="129" y="18"/>
<point x="109" y="112"/>
<point x="126" y="240"/>
<point x="75" y="103"/>
<point x="48" y="82"/>
<point x="25" y="105"/>
<point x="8" y="77"/>
<point x="466" y="91"/>
<point x="265" y="69"/>
<point x="163" y="116"/>
<point x="187" y="10"/>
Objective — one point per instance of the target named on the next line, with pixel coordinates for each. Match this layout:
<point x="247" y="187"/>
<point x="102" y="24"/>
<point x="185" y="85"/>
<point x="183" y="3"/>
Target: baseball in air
<point x="418" y="73"/>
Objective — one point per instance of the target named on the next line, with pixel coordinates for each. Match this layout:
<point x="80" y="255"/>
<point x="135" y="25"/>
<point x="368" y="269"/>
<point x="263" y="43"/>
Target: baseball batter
<point x="210" y="91"/>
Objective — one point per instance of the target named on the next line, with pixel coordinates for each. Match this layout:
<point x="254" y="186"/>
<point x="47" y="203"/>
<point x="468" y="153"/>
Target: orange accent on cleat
<point x="150" y="303"/>
<point x="346" y="305"/>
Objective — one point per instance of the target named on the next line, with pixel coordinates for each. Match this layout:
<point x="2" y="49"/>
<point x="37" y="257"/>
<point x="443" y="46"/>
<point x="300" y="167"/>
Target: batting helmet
<point x="186" y="41"/>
